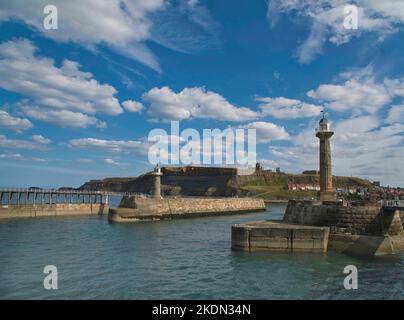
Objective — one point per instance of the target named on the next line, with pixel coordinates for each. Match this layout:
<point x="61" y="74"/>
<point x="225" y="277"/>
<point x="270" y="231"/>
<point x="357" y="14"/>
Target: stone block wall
<point x="274" y="236"/>
<point x="365" y="220"/>
<point x="183" y="206"/>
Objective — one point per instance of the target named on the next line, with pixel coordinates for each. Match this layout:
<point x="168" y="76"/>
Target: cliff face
<point x="217" y="182"/>
<point x="186" y="181"/>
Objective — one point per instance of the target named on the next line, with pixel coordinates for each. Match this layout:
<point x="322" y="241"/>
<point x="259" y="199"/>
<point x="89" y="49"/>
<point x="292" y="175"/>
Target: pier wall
<point x="136" y="208"/>
<point x="358" y="229"/>
<point x="368" y="219"/>
<point x="52" y="210"/>
<point x="275" y="236"/>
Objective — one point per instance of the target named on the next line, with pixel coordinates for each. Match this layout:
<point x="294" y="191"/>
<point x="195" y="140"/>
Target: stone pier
<point x="359" y="228"/>
<point x="35" y="202"/>
<point x="52" y="210"/>
<point x="354" y="228"/>
<point x="275" y="236"/>
<point x="136" y="209"/>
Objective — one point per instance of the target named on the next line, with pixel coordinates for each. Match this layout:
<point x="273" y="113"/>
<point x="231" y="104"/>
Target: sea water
<point x="177" y="259"/>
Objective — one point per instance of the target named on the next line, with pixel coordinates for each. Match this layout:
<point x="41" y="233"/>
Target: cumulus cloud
<point x="267" y="131"/>
<point x="9" y="122"/>
<point x="115" y="146"/>
<point x="96" y="25"/>
<point x="132" y="106"/>
<point x="191" y="103"/>
<point x="284" y="108"/>
<point x="40" y="139"/>
<point x="115" y="163"/>
<point x="359" y="92"/>
<point x="326" y="18"/>
<point x="125" y="26"/>
<point x="62" y="118"/>
<point x="64" y="95"/>
<point x="37" y="142"/>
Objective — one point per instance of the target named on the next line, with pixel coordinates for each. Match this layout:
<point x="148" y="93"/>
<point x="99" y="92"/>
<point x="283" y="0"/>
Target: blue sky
<point x="77" y="103"/>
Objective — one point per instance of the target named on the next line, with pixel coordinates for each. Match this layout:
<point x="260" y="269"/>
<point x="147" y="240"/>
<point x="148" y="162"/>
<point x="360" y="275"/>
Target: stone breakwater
<point x="275" y="236"/>
<point x="355" y="228"/>
<point x="359" y="229"/>
<point x="134" y="209"/>
<point x="363" y="219"/>
<point x="52" y="210"/>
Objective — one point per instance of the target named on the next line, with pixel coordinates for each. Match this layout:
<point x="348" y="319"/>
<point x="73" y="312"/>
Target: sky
<point x="78" y="102"/>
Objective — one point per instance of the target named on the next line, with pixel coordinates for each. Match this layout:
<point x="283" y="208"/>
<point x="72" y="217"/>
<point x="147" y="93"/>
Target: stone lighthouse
<point x="324" y="133"/>
<point x="156" y="174"/>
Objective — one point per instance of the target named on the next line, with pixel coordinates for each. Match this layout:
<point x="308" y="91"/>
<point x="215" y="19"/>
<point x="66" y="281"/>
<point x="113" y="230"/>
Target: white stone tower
<point x="156" y="191"/>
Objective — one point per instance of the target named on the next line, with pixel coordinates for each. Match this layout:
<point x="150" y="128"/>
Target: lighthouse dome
<point x="324" y="125"/>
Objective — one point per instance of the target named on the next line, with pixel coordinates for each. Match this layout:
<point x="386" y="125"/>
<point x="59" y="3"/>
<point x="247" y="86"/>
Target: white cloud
<point x="19" y="157"/>
<point x="267" y="131"/>
<point x="123" y="25"/>
<point x="37" y="142"/>
<point x="327" y="17"/>
<point x="352" y="95"/>
<point x="284" y="108"/>
<point x="115" y="163"/>
<point x="396" y="114"/>
<point x="313" y="45"/>
<point x="199" y="14"/>
<point x="361" y="93"/>
<point x="40" y="139"/>
<point x="57" y="93"/>
<point x="11" y="156"/>
<point x="38" y="159"/>
<point x="132" y="106"/>
<point x="114" y="146"/>
<point x="192" y="103"/>
<point x="7" y="121"/>
<point x="62" y="118"/>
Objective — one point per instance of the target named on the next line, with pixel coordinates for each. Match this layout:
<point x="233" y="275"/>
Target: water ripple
<point x="180" y="259"/>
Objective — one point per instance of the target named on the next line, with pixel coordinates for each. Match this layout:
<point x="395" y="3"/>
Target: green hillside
<point x="274" y="186"/>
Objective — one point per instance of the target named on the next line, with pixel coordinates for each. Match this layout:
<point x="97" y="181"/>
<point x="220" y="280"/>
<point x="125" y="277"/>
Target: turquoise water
<point x="179" y="259"/>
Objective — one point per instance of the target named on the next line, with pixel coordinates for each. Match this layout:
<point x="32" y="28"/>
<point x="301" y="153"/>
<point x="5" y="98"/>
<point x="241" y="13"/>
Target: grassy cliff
<point x="274" y="186"/>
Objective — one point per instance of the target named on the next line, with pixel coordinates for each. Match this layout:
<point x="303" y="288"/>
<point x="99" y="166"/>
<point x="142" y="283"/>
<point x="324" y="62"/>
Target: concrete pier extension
<point x="52" y="210"/>
<point x="276" y="236"/>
